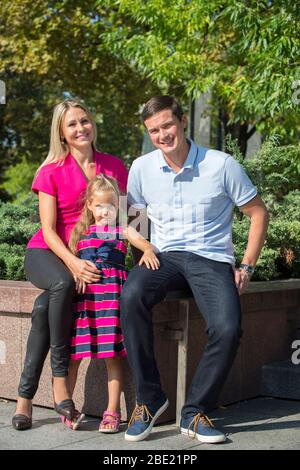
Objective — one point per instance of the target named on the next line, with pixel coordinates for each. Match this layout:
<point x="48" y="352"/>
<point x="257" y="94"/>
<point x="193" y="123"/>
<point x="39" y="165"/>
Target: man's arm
<point x="257" y="211"/>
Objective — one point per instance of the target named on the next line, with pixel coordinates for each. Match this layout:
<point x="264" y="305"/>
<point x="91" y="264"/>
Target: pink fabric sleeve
<point x="122" y="177"/>
<point x="44" y="181"/>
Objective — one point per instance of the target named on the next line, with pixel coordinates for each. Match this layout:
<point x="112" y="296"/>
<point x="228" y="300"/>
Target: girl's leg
<point x="114" y="367"/>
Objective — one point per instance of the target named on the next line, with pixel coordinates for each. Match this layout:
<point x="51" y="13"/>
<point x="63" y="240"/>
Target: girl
<point x="96" y="331"/>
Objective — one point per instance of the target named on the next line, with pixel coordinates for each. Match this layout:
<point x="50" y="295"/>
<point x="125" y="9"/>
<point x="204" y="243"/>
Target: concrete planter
<point x="271" y="316"/>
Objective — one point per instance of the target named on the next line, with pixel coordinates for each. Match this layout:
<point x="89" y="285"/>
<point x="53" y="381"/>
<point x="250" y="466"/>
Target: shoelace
<point x="138" y="414"/>
<point x="204" y="420"/>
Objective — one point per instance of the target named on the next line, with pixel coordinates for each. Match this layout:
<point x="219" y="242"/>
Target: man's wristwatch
<point x="248" y="268"/>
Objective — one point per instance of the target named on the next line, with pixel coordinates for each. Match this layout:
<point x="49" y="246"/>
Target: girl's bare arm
<point x="149" y="257"/>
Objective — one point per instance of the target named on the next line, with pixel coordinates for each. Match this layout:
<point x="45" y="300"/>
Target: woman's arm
<point x="139" y="242"/>
<point x="81" y="269"/>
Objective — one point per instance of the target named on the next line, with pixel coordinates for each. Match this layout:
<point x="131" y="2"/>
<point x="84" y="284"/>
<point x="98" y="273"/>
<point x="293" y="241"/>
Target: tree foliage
<point x="245" y="53"/>
<point x="18" y="179"/>
<point x="115" y="54"/>
<point x="275" y="170"/>
<point x="276" y="173"/>
<point x="51" y="50"/>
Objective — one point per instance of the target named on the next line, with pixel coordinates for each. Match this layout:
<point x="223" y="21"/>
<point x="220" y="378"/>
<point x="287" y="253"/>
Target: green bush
<point x="18" y="179"/>
<point x="276" y="172"/>
<point x="11" y="265"/>
<point x="274" y="169"/>
<point x="18" y="222"/>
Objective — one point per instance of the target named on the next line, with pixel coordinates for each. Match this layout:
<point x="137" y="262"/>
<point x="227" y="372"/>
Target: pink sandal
<point x="75" y="422"/>
<point x="112" y="419"/>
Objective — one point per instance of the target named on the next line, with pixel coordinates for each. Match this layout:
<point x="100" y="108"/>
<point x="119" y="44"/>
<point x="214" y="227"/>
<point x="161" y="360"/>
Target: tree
<point x="25" y="118"/>
<point x="18" y="179"/>
<point x="246" y="53"/>
<point x="275" y="170"/>
<point x="51" y="50"/>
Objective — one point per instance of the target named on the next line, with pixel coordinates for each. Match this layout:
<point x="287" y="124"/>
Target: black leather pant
<point x="51" y="319"/>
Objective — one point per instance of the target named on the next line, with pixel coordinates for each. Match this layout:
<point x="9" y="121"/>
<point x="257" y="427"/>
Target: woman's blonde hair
<point x="97" y="184"/>
<point x="59" y="149"/>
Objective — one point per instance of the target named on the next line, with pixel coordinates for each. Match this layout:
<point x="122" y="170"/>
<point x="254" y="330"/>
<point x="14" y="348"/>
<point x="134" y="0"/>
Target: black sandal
<point x="65" y="408"/>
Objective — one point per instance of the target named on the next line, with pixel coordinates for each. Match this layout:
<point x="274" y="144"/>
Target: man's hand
<point x="242" y="279"/>
<point x="150" y="259"/>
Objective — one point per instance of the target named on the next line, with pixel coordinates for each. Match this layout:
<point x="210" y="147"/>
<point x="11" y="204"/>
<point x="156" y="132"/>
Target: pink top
<point x="67" y="182"/>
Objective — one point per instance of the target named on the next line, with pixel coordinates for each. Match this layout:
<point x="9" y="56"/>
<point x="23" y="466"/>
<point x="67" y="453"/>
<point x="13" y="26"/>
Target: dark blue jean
<point x="215" y="293"/>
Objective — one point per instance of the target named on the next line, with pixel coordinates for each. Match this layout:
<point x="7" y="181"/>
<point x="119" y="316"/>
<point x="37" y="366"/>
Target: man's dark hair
<point x="160" y="103"/>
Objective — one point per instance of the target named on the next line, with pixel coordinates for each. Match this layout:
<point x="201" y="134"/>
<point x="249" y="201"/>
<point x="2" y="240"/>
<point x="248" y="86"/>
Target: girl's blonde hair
<point x="97" y="184"/>
<point x="59" y="149"/>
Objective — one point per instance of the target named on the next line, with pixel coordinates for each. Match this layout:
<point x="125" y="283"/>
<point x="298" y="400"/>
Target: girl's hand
<point x="150" y="259"/>
<point x="84" y="270"/>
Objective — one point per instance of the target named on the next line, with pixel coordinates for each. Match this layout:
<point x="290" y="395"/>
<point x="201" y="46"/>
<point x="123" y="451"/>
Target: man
<point x="189" y="193"/>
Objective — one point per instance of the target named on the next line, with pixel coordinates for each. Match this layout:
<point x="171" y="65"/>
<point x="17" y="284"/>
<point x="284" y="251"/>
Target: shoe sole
<point x="75" y="424"/>
<point x="22" y="428"/>
<point x="147" y="431"/>
<point x="78" y="421"/>
<point x="201" y="438"/>
<point x="109" y="431"/>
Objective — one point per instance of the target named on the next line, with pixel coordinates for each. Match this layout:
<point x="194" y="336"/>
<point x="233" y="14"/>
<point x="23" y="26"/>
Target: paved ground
<point x="261" y="423"/>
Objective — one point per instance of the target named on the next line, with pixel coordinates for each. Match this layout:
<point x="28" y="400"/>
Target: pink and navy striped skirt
<point x="96" y="330"/>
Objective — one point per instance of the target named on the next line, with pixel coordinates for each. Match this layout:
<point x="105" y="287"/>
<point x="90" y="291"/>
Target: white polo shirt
<point x="191" y="210"/>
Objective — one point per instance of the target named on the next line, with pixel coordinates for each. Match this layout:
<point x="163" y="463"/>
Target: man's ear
<point x="184" y="121"/>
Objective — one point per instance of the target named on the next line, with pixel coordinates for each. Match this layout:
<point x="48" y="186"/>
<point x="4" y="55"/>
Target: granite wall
<point x="271" y="317"/>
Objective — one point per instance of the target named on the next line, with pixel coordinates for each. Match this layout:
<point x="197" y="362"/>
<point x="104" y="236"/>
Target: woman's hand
<point x="149" y="259"/>
<point x="80" y="286"/>
<point x="84" y="270"/>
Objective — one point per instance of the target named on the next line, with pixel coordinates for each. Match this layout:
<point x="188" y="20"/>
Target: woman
<point x="60" y="183"/>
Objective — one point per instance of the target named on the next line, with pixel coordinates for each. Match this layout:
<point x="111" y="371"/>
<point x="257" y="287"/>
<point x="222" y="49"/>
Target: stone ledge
<point x="271" y="286"/>
<point x="271" y="315"/>
<point x="18" y="296"/>
<point x="281" y="380"/>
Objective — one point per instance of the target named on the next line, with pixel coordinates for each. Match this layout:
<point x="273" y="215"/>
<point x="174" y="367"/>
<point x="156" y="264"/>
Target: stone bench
<point x="271" y="313"/>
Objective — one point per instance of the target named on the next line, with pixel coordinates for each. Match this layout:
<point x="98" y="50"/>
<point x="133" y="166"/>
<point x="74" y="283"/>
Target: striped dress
<point x="96" y="330"/>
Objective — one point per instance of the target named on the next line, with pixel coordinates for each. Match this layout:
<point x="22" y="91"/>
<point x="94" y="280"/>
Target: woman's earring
<point x="62" y="140"/>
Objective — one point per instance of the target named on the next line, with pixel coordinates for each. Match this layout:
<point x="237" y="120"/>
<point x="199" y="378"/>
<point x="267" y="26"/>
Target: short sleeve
<point x="45" y="181"/>
<point x="122" y="177"/>
<point x="110" y="165"/>
<point x="134" y="189"/>
<point x="238" y="185"/>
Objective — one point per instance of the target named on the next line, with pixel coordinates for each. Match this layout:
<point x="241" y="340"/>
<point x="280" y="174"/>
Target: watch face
<point x="249" y="269"/>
